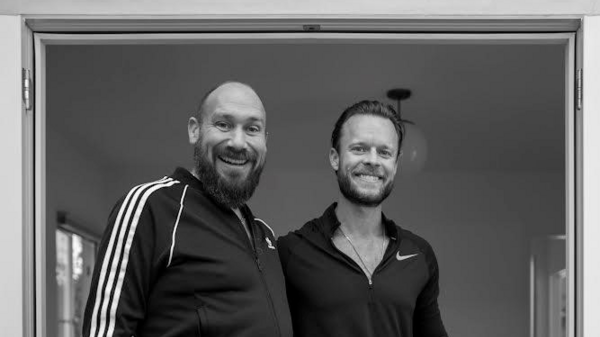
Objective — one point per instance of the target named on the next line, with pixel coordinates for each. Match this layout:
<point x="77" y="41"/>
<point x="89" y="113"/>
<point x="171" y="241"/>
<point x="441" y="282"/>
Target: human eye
<point x="222" y="125"/>
<point x="254" y="129"/>
<point x="359" y="149"/>
<point x="385" y="153"/>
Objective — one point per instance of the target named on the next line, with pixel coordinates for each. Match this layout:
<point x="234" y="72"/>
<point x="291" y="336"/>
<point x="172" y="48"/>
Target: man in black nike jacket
<point x="353" y="272"/>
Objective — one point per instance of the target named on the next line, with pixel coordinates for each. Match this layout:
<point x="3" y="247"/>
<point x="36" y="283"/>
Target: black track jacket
<point x="174" y="263"/>
<point x="330" y="295"/>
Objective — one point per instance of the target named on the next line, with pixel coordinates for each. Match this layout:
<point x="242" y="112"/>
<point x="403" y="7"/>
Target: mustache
<point x="236" y="154"/>
<point x="369" y="170"/>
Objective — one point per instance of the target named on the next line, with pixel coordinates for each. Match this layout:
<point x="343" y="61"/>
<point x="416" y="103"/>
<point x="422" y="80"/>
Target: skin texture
<point x="230" y="143"/>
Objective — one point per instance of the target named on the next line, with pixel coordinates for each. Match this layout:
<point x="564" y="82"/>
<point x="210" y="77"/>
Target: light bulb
<point x="414" y="150"/>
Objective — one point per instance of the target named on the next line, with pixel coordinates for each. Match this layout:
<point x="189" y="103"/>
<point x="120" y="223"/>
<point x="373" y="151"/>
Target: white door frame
<point x="299" y="30"/>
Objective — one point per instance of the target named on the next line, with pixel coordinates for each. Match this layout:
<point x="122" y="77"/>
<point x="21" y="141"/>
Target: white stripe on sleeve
<point x="112" y="258"/>
<point x="176" y="224"/>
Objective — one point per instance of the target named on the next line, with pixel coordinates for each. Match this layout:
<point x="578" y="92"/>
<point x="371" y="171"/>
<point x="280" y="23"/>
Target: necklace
<point x="369" y="272"/>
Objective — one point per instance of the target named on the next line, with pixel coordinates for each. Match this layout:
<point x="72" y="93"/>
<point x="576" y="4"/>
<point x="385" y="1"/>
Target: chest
<point x="212" y="251"/>
<point x="331" y="281"/>
<point x="367" y="254"/>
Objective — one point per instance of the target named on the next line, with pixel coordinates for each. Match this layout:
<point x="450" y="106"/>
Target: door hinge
<point x="27" y="89"/>
<point x="579" y="89"/>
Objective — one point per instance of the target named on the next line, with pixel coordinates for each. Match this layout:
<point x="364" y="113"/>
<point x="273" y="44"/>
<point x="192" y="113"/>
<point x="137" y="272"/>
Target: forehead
<point x="235" y="101"/>
<point x="369" y="129"/>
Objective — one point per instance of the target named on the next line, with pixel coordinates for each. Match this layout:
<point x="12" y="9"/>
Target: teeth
<point x="233" y="161"/>
<point x="368" y="177"/>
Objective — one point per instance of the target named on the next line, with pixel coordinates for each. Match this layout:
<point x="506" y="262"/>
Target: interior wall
<point x="75" y="184"/>
<point x="480" y="224"/>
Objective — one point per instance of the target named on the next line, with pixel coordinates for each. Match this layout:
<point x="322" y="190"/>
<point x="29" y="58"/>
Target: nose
<point x="371" y="158"/>
<point x="237" y="139"/>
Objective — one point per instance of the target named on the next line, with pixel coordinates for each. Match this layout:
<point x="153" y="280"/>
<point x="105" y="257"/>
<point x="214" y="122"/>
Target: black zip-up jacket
<point x="330" y="295"/>
<point x="174" y="263"/>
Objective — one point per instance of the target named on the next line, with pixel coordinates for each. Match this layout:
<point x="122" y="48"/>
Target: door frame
<point x="160" y="30"/>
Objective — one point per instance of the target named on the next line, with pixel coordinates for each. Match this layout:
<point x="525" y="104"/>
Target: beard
<point x="355" y="196"/>
<point x="228" y="192"/>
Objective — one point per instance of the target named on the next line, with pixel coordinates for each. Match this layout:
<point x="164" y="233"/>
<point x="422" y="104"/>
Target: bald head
<point x="230" y="92"/>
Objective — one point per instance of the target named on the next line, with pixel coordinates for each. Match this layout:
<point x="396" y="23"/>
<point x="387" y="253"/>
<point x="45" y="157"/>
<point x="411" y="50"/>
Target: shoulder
<point x="292" y="239"/>
<point x="421" y="243"/>
<point x="262" y="223"/>
<point x="149" y="193"/>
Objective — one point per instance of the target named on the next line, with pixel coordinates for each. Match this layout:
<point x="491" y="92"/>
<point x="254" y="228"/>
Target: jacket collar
<point x="329" y="223"/>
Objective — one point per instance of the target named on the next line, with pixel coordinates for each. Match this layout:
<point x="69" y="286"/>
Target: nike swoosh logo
<point x="404" y="257"/>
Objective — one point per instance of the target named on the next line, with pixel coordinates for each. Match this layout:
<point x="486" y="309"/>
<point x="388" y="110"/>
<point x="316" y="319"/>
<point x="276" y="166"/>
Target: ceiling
<point x="481" y="107"/>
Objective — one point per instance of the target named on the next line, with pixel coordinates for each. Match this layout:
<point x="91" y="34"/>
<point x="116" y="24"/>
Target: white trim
<point x="301" y="23"/>
<point x="591" y="178"/>
<point x="304" y="38"/>
<point x="41" y="235"/>
<point x="176" y="224"/>
<point x="12" y="254"/>
<point x="115" y="301"/>
<point x="269" y="227"/>
<point x="29" y="264"/>
<point x="570" y="184"/>
<point x="299" y="38"/>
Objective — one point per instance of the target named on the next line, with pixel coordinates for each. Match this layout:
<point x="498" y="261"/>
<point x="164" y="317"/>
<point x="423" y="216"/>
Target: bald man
<point x="184" y="255"/>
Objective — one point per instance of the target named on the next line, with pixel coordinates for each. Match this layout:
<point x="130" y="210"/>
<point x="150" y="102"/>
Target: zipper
<point x="354" y="264"/>
<point x="381" y="264"/>
<point x="253" y="246"/>
<point x="271" y="305"/>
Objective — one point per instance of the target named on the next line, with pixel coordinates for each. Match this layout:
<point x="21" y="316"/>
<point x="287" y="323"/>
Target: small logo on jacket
<point x="269" y="243"/>
<point x="404" y="257"/>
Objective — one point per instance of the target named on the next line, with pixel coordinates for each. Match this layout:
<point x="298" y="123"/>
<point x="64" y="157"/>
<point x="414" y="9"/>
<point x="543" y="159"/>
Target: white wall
<point x="75" y="184"/>
<point x="306" y="7"/>
<point x="11" y="205"/>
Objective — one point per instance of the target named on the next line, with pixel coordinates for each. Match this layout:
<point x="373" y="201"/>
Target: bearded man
<point x="183" y="255"/>
<point x="354" y="272"/>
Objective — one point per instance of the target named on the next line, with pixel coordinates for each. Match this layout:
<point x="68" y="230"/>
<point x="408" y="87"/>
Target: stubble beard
<point x="355" y="196"/>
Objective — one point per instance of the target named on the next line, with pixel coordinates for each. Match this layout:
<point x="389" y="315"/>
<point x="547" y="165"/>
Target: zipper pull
<point x="258" y="264"/>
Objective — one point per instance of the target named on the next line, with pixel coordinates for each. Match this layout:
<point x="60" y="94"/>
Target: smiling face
<point x="230" y="143"/>
<point x="367" y="159"/>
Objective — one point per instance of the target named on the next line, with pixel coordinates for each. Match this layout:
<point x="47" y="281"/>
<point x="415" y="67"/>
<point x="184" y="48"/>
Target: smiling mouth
<point x="368" y="177"/>
<point x="233" y="161"/>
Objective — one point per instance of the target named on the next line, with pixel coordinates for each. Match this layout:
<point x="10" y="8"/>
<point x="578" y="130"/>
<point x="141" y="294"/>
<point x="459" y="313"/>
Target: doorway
<point x="496" y="110"/>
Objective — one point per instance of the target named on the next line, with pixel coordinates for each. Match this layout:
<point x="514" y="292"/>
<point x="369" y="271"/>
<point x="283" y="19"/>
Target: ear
<point x="334" y="159"/>
<point x="193" y="130"/>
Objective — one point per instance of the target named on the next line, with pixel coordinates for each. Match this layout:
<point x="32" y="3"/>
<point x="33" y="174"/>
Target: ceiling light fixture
<point x="414" y="146"/>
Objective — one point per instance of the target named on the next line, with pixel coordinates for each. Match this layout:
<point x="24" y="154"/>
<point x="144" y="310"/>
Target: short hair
<point x="369" y="108"/>
<point x="201" y="105"/>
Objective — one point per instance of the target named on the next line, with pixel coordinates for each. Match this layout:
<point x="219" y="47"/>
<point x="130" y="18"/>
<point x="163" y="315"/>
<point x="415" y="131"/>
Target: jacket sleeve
<point x="427" y="320"/>
<point x="124" y="270"/>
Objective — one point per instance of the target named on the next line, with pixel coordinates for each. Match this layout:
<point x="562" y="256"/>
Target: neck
<point x="357" y="220"/>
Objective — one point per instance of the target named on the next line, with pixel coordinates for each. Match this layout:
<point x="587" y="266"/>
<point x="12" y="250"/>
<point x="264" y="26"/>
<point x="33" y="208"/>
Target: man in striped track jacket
<point x="183" y="255"/>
